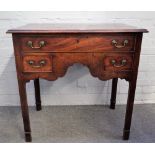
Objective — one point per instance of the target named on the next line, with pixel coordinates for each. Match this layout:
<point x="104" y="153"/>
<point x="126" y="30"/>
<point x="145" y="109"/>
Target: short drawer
<point x="77" y="42"/>
<point x="37" y="63"/>
<point x="118" y="62"/>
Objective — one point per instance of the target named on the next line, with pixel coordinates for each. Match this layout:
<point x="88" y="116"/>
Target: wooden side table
<point x="110" y="51"/>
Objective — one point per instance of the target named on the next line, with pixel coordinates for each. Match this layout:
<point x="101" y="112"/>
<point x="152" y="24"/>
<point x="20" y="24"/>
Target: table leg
<point x="24" y="108"/>
<point x="37" y="94"/>
<point x="129" y="109"/>
<point x="113" y="93"/>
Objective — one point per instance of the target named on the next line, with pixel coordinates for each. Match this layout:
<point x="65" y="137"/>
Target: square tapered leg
<point x="24" y="108"/>
<point x="129" y="109"/>
<point x="113" y="93"/>
<point x="37" y="94"/>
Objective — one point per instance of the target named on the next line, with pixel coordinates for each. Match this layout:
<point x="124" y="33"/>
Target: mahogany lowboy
<point x="110" y="51"/>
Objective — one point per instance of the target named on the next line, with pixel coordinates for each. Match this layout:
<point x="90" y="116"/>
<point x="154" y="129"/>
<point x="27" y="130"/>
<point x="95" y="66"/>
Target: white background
<point x="78" y="87"/>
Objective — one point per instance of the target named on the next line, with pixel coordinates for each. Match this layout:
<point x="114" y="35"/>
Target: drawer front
<point x="77" y="43"/>
<point x="118" y="62"/>
<point x="37" y="63"/>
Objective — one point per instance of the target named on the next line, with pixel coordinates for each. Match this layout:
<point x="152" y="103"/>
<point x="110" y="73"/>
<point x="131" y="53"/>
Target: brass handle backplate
<point x="33" y="64"/>
<point x="41" y="44"/>
<point x="115" y="43"/>
<point x="120" y="64"/>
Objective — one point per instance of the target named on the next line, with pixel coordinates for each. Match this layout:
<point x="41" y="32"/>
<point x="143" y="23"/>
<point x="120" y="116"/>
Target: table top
<point x="76" y="28"/>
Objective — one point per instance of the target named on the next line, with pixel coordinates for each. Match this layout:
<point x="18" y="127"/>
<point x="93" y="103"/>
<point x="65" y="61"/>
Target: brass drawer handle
<point x="121" y="64"/>
<point x="41" y="44"/>
<point x="115" y="43"/>
<point x="41" y="63"/>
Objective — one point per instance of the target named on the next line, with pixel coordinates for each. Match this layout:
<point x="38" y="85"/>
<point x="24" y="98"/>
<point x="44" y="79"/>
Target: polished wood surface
<point x="110" y="51"/>
<point x="77" y="42"/>
<point x="76" y="28"/>
<point x="33" y="63"/>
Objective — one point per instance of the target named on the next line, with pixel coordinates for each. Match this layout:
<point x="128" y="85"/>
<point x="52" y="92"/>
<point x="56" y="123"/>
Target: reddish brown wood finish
<point x="132" y="88"/>
<point x="58" y="63"/>
<point x="37" y="66"/>
<point x="77" y="42"/>
<point x="24" y="108"/>
<point x="90" y="45"/>
<point x="108" y="58"/>
<point x="76" y="28"/>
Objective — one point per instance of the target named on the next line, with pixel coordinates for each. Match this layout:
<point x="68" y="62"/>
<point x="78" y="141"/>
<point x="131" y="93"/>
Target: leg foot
<point x="126" y="134"/>
<point x="112" y="104"/>
<point x="38" y="106"/>
<point x="28" y="137"/>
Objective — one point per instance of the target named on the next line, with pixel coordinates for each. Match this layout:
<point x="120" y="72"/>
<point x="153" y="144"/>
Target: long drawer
<point x="77" y="42"/>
